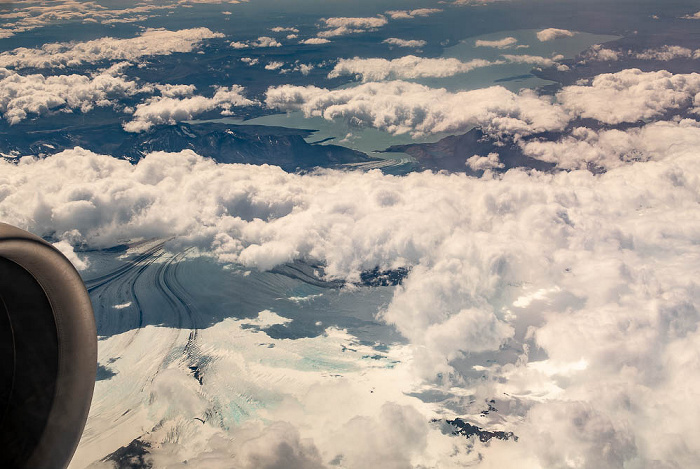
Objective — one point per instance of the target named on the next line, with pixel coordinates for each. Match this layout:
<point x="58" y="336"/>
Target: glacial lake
<point x="513" y="76"/>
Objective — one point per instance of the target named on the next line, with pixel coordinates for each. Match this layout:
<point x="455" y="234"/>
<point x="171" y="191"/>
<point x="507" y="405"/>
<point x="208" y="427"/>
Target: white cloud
<point x="278" y="446"/>
<point x="169" y="110"/>
<point x="274" y="65"/>
<point x="505" y="43"/>
<point x="667" y="53"/>
<point x="400" y="107"/>
<point x="481" y="163"/>
<point x="262" y="41"/>
<point x="281" y="29"/>
<point x="602" y="354"/>
<point x="411" y="66"/>
<point x="304" y="69"/>
<point x="250" y="61"/>
<point x="215" y="2"/>
<point x="390" y="438"/>
<point x="172" y="91"/>
<point x="408" y="66"/>
<point x="408" y="14"/>
<point x="150" y="42"/>
<point x="24" y="95"/>
<point x="695" y="16"/>
<point x="553" y="33"/>
<point x="67" y="250"/>
<point x="630" y="95"/>
<point x="537" y="60"/>
<point x="165" y="110"/>
<point x="474" y="2"/>
<point x="341" y="26"/>
<point x="613" y="148"/>
<point x="30" y="15"/>
<point x="265" y="41"/>
<point x="394" y="41"/>
<point x="315" y="40"/>
<point x="598" y="53"/>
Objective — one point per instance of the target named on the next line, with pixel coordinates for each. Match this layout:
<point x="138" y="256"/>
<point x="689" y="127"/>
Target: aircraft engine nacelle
<point x="48" y="353"/>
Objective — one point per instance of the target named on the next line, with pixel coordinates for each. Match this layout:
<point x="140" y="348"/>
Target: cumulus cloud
<point x="22" y="96"/>
<point x="67" y="250"/>
<point x="482" y="163"/>
<point x="394" y="41"/>
<point x="630" y="95"/>
<point x="215" y="2"/>
<point x="304" y="69"/>
<point x="694" y="16"/>
<point x="262" y="41"/>
<point x="401" y="107"/>
<point x="537" y="60"/>
<point x="150" y="42"/>
<point x="315" y="40"/>
<point x="586" y="148"/>
<point x="250" y="61"/>
<point x="553" y="33"/>
<point x="172" y="91"/>
<point x="274" y="65"/>
<point x="281" y="29"/>
<point x="265" y="41"/>
<point x="169" y="110"/>
<point x="598" y="53"/>
<point x="275" y="446"/>
<point x="474" y="2"/>
<point x="101" y="216"/>
<point x="376" y="441"/>
<point x="408" y="14"/>
<point x="505" y="43"/>
<point x="570" y="298"/>
<point x="341" y="26"/>
<point x="409" y="66"/>
<point x="27" y="16"/>
<point x="667" y="53"/>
